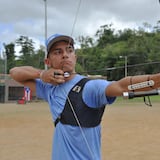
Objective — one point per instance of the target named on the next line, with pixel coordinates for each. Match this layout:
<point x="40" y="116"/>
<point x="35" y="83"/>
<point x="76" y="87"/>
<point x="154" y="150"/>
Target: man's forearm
<point x="27" y="74"/>
<point x="134" y="83"/>
<point x="141" y="82"/>
<point x="24" y="73"/>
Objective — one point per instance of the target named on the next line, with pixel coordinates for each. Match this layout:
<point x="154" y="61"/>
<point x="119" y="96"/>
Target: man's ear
<point x="46" y="61"/>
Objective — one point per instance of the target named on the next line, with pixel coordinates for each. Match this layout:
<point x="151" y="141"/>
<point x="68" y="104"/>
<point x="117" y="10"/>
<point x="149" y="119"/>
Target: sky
<point x="21" y="17"/>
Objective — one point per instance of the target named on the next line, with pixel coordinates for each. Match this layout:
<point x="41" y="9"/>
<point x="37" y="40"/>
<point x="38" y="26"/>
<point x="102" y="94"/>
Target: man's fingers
<point x="56" y="74"/>
<point x="58" y="78"/>
<point x="60" y="81"/>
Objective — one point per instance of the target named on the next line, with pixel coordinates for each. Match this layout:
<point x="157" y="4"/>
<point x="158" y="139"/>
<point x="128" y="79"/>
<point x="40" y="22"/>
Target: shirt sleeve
<point x="94" y="93"/>
<point x="42" y="89"/>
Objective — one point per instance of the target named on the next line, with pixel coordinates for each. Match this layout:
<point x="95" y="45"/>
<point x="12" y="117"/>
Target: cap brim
<point x="58" y="39"/>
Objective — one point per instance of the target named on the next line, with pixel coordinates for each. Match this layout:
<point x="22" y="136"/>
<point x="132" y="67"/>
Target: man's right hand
<point x="53" y="76"/>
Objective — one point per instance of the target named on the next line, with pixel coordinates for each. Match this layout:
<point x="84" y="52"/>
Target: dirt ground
<point x="129" y="132"/>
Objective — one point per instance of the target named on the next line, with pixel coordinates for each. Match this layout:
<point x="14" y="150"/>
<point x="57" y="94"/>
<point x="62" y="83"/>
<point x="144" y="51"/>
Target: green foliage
<point x="9" y="49"/>
<point x="102" y="54"/>
<point x="105" y="35"/>
<point x="27" y="50"/>
<point x="2" y="66"/>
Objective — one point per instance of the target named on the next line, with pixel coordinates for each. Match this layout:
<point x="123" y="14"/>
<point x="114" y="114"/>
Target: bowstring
<point x="69" y="101"/>
<point x="76" y="17"/>
<point x="79" y="125"/>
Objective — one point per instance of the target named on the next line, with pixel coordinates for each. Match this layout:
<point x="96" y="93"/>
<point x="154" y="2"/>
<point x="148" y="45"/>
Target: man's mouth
<point x="66" y="63"/>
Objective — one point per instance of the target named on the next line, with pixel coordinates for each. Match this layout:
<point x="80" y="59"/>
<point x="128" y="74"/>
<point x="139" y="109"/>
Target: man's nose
<point x="65" y="53"/>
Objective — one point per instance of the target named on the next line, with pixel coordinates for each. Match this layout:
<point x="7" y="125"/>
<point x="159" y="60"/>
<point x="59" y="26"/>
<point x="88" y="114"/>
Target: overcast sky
<point x="22" y="17"/>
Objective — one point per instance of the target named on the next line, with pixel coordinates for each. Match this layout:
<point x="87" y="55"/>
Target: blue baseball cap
<point x="56" y="38"/>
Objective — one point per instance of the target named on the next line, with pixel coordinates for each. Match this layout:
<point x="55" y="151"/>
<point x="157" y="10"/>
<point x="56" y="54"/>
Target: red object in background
<point x="21" y="100"/>
<point x="26" y="97"/>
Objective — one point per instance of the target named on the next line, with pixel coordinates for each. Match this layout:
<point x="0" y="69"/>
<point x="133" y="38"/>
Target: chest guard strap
<point x="87" y="116"/>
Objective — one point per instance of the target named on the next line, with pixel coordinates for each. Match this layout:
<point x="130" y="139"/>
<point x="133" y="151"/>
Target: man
<point x="76" y="103"/>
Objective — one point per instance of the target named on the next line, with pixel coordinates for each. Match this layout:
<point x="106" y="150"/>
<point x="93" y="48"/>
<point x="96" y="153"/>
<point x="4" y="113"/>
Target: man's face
<point x="62" y="56"/>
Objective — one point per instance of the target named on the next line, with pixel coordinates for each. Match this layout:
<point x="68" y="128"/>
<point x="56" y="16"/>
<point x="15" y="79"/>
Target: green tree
<point x="39" y="57"/>
<point x="27" y="50"/>
<point x="105" y="36"/>
<point x="10" y="54"/>
<point x="101" y="54"/>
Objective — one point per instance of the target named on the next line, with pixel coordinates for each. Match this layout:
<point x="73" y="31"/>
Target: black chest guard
<point x="88" y="117"/>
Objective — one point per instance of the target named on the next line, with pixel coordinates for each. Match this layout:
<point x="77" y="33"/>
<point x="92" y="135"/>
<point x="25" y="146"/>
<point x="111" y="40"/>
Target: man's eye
<point x="70" y="50"/>
<point x="57" y="52"/>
